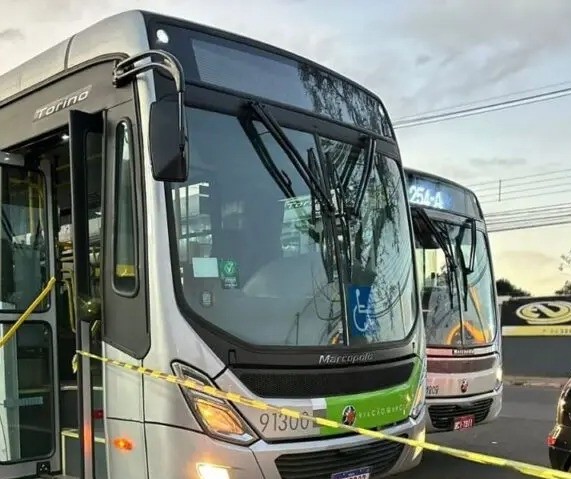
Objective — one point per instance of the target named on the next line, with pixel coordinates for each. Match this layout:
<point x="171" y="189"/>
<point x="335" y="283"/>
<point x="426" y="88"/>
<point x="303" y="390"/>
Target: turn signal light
<point x="123" y="444"/>
<point x="218" y="418"/>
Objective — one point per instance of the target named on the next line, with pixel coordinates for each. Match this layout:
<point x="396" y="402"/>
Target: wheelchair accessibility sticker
<point x="358" y="306"/>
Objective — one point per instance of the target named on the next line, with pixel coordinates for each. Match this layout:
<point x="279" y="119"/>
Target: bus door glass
<point x="28" y="439"/>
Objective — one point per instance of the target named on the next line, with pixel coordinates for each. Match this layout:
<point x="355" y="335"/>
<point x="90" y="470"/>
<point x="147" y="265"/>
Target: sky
<point x="418" y="56"/>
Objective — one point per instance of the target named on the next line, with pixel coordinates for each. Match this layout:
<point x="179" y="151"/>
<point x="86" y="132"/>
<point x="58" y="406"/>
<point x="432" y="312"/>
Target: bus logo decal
<point x="464" y="386"/>
<point x="545" y="312"/>
<point x="62" y="103"/>
<point x="349" y="415"/>
<point x="331" y="359"/>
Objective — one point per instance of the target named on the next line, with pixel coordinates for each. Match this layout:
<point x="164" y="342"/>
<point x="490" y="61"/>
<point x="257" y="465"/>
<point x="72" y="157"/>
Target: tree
<point x="565" y="261"/>
<point x="341" y="100"/>
<point x="565" y="289"/>
<point x="565" y="265"/>
<point x="506" y="288"/>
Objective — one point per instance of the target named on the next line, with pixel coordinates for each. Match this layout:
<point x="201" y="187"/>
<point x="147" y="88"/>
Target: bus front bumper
<point x="181" y="453"/>
<point x="450" y="413"/>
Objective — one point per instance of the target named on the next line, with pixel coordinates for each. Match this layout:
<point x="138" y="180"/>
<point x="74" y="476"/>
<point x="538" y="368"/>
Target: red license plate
<point x="463" y="422"/>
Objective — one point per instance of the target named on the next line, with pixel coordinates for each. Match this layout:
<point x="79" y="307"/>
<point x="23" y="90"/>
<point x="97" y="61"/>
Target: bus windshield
<point x="457" y="313"/>
<point x="256" y="258"/>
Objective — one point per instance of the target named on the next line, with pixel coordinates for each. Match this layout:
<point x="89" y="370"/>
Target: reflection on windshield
<point x="443" y="318"/>
<point x="441" y="309"/>
<point x="252" y="259"/>
<point x="480" y="316"/>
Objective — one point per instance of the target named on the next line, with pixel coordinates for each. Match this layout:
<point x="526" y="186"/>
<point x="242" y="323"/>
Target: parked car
<point x="559" y="439"/>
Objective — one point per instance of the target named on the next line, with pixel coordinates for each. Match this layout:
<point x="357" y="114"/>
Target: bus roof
<point x="122" y="33"/>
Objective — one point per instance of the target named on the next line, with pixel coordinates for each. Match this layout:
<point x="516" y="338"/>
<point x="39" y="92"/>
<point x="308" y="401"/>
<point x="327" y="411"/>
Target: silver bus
<point x="215" y="208"/>
<point x="458" y="297"/>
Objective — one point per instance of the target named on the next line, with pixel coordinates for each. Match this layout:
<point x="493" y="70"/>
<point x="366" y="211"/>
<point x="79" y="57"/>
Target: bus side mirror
<point x="168" y="138"/>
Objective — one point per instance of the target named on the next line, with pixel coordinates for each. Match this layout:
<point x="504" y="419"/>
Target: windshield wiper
<point x="290" y="150"/>
<point x="279" y="176"/>
<point x="327" y="226"/>
<point x="444" y="244"/>
<point x="350" y="166"/>
<point x="331" y="182"/>
<point x="367" y="170"/>
<point x="467" y="269"/>
<point x="285" y="184"/>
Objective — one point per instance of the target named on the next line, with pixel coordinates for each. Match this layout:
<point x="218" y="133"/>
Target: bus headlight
<point x="218" y="418"/>
<point x="420" y="396"/>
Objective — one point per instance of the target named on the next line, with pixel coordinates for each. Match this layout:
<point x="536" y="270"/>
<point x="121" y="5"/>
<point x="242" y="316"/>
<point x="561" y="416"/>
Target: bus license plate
<point x="362" y="473"/>
<point x="463" y="422"/>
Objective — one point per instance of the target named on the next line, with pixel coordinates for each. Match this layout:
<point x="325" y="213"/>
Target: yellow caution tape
<point x="528" y="469"/>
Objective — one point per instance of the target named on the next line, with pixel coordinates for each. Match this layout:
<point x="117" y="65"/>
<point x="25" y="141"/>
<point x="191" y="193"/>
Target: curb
<point x="556" y="383"/>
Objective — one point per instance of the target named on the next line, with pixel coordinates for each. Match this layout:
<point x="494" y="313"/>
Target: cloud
<point x="489" y="163"/>
<point x="11" y="34"/>
<point x="476" y="49"/>
<point x="422" y="59"/>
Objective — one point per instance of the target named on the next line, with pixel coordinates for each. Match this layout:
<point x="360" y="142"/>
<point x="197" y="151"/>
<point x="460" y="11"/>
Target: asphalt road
<point x="519" y="433"/>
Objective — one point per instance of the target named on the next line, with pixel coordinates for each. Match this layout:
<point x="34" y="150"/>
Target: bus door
<point x="29" y="443"/>
<point x="86" y="179"/>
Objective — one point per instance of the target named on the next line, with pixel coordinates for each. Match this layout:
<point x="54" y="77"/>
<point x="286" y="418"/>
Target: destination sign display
<point x="432" y="193"/>
<point x="272" y="75"/>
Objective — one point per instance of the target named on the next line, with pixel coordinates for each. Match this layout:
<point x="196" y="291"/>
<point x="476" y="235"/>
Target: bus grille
<point x="380" y="456"/>
<point x="461" y="365"/>
<point x="442" y="416"/>
<point x="306" y="383"/>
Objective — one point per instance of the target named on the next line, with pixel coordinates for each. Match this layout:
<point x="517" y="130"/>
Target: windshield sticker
<point x="206" y="299"/>
<point x="205" y="267"/>
<point x="358" y="309"/>
<point x="228" y="270"/>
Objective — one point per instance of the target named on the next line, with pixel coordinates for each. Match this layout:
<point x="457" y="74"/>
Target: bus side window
<point x="125" y="279"/>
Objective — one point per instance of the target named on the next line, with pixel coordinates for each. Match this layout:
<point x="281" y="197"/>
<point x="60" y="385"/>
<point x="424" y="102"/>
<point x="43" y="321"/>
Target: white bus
<point x="215" y="208"/>
<point x="458" y="294"/>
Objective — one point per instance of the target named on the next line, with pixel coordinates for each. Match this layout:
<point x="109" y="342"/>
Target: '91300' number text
<point x="279" y="422"/>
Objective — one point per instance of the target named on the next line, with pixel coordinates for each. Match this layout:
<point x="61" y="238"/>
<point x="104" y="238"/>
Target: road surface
<point x="519" y="433"/>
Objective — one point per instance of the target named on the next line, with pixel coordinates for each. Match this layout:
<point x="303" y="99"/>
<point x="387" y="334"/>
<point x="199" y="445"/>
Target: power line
<point x="532" y="209"/>
<point x="538" y="216"/>
<point x="513" y="189"/>
<point x="506" y="186"/>
<point x="512" y="227"/>
<point x="515" y="178"/>
<point x="532" y="217"/>
<point x="482" y="100"/>
<point x="503" y="105"/>
<point x="525" y="196"/>
<point x="537" y="192"/>
<point x="524" y="218"/>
